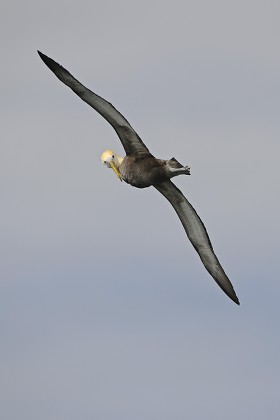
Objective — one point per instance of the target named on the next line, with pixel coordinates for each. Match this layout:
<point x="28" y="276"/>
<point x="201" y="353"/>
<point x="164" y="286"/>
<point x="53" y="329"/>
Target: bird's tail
<point x="174" y="165"/>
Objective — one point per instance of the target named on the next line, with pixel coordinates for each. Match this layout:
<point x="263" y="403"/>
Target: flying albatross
<point x="141" y="169"/>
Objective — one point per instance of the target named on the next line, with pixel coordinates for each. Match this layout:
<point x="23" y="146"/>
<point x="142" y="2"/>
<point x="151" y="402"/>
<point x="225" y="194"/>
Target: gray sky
<point x="106" y="310"/>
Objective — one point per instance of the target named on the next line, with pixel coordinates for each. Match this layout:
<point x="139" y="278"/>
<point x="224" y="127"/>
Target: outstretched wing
<point x="198" y="235"/>
<point x="129" y="138"/>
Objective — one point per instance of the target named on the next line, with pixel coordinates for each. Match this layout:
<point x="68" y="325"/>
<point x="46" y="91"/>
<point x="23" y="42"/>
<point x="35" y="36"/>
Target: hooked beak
<point x="115" y="169"/>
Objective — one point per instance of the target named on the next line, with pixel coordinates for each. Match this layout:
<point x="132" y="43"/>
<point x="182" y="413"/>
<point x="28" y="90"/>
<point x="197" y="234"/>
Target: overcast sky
<point x="105" y="309"/>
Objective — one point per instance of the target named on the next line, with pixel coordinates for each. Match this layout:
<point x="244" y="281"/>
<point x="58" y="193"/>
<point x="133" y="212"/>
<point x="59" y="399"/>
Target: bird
<point x="141" y="169"/>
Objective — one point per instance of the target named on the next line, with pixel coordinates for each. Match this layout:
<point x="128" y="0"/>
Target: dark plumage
<point x="141" y="169"/>
<point x="142" y="172"/>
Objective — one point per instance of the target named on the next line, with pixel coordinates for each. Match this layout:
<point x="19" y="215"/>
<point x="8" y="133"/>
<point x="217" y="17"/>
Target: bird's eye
<point x="113" y="156"/>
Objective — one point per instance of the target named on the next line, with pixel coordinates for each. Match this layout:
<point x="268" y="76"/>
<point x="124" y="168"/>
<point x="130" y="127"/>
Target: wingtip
<point x="50" y="63"/>
<point x="227" y="287"/>
<point x="41" y="55"/>
<point x="237" y="301"/>
<point x="234" y="298"/>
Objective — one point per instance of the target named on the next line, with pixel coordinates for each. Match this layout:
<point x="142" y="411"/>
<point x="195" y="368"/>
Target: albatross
<point x="141" y="169"/>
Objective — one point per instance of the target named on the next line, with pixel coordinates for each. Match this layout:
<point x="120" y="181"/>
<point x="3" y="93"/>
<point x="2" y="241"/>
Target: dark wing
<point x="129" y="138"/>
<point x="198" y="235"/>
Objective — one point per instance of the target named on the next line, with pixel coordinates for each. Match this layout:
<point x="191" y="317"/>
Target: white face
<point x="107" y="157"/>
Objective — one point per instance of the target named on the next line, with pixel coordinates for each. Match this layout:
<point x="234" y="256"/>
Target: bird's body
<point x="141" y="169"/>
<point x="143" y="172"/>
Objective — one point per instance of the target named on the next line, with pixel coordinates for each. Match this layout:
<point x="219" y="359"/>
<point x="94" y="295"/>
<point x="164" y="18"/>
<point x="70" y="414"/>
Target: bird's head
<point x="113" y="161"/>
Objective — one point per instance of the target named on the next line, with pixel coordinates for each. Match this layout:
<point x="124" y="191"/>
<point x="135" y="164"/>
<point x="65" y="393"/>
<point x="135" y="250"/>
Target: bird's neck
<point x="118" y="160"/>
